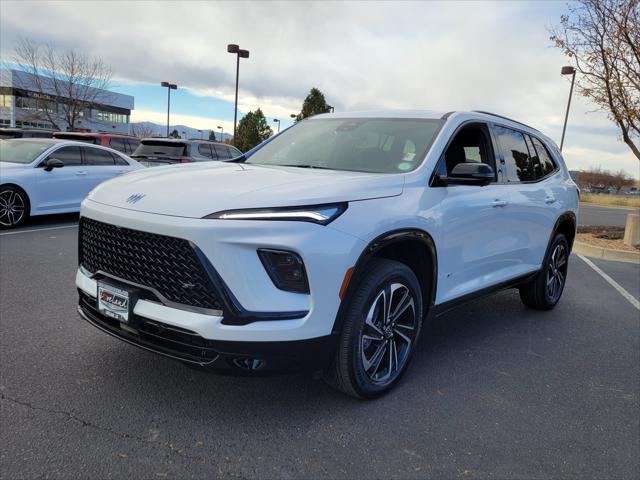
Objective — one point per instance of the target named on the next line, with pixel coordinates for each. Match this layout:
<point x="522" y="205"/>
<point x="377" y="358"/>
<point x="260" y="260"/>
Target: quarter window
<point x="546" y="162"/>
<point x="518" y="162"/>
<point x="222" y="152"/>
<point x="95" y="157"/>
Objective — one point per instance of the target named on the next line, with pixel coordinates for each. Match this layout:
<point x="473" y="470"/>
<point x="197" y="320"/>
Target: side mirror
<point x="479" y="174"/>
<point x="51" y="163"/>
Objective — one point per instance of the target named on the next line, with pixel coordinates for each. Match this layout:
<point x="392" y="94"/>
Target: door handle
<point x="499" y="203"/>
<point x="550" y="199"/>
<point x="81" y="173"/>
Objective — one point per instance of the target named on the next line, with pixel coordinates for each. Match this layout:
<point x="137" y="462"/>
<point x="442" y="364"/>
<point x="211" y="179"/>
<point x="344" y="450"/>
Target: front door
<point x="61" y="189"/>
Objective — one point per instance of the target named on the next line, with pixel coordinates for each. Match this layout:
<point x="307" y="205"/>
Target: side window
<point x="118" y="144"/>
<point x="470" y="145"/>
<point x="118" y="159"/>
<point x="516" y="155"/>
<point x="546" y="162"/>
<point x="535" y="161"/>
<point x="97" y="157"/>
<point x="205" y="150"/>
<point x="222" y="152"/>
<point x="70" y="156"/>
<point x="234" y="152"/>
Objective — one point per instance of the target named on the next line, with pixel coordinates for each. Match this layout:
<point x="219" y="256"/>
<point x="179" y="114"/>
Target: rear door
<point x="100" y="166"/>
<point x="533" y="208"/>
<point x="61" y="189"/>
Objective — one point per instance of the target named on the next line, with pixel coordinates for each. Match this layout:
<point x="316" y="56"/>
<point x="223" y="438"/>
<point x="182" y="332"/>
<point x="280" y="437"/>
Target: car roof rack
<point x="506" y="118"/>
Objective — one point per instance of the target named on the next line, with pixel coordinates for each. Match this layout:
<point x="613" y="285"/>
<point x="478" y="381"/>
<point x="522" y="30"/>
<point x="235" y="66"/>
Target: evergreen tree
<point x="252" y="130"/>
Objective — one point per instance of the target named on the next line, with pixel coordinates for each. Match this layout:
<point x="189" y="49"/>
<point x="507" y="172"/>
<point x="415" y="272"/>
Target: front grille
<point x="167" y="264"/>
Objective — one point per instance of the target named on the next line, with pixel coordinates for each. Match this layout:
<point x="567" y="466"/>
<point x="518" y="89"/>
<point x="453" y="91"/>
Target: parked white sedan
<point x="40" y="176"/>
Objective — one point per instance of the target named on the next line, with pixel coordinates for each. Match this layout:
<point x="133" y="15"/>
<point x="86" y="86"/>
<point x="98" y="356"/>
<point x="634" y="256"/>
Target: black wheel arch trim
<point x="381" y="241"/>
<point x="568" y="215"/>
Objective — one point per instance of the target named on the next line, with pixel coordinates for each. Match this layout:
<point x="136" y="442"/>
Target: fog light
<point x="285" y="269"/>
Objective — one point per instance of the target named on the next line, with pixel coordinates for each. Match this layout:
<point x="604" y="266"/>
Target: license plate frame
<point x="114" y="302"/>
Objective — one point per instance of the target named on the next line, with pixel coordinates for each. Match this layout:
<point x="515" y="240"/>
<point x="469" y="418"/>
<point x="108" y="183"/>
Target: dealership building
<point x="24" y="105"/>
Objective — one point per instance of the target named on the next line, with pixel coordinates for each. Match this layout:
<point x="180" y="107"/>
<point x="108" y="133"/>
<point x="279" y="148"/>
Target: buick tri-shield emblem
<point x="136" y="197"/>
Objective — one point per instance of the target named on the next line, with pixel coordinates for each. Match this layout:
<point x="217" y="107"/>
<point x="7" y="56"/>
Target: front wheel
<point x="545" y="290"/>
<point x="13" y="207"/>
<point x="380" y="331"/>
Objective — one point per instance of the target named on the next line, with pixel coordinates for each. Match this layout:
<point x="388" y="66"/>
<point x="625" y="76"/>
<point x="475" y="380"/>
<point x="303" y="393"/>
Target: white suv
<point x="328" y="246"/>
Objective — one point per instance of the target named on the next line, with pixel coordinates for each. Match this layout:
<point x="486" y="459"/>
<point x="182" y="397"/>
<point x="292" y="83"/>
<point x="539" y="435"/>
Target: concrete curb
<point x="605" y="253"/>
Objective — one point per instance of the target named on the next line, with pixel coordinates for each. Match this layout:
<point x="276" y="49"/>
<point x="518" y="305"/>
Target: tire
<point x="375" y="348"/>
<point x="14" y="207"/>
<point x="545" y="290"/>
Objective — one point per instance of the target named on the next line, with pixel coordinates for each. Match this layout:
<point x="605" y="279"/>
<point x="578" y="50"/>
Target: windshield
<point x="21" y="150"/>
<point x="159" y="148"/>
<point x="376" y="145"/>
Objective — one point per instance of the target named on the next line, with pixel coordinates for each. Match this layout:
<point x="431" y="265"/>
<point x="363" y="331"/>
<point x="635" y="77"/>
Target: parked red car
<point x="123" y="143"/>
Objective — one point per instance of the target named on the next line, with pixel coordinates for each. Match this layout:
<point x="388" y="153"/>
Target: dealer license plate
<point x="113" y="302"/>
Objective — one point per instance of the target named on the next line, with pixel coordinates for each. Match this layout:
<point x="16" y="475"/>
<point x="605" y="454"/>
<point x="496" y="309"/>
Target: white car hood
<point x="197" y="190"/>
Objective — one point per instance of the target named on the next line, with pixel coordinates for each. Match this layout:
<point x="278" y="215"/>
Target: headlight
<point x="320" y="214"/>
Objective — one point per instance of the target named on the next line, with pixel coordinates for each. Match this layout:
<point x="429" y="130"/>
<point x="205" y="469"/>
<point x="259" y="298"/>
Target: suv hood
<point x="197" y="190"/>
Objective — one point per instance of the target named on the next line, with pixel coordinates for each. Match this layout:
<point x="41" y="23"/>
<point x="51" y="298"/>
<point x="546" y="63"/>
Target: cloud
<point x="493" y="56"/>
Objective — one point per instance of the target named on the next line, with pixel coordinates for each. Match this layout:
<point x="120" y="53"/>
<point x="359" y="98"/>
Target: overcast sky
<point x="362" y="55"/>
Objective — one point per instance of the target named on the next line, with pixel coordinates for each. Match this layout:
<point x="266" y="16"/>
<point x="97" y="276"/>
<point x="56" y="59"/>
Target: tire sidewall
<point x="557" y="240"/>
<point x="382" y="274"/>
<point x="25" y="201"/>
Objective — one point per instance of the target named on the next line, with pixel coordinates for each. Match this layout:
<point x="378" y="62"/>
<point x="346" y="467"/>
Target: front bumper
<point x="217" y="355"/>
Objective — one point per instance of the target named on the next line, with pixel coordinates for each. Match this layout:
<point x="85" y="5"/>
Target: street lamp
<point x="275" y="120"/>
<point x="184" y="134"/>
<point x="567" y="71"/>
<point x="233" y="48"/>
<point x="221" y="133"/>
<point x="329" y="109"/>
<point x="294" y="116"/>
<point x="200" y="132"/>
<point x="170" y="86"/>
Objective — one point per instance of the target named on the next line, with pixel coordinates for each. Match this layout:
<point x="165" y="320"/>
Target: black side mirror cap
<point x="51" y="163"/>
<point x="471" y="173"/>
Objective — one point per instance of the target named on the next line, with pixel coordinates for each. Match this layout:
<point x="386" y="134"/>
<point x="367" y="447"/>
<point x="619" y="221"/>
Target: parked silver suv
<point x="165" y="151"/>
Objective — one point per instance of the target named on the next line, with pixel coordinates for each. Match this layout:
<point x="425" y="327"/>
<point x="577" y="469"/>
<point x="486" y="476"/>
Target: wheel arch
<point x="567" y="225"/>
<point x="413" y="247"/>
<point x="24" y="191"/>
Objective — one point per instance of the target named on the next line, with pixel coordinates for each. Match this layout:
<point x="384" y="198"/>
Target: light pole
<point x="200" y="132"/>
<point x="233" y="48"/>
<point x="184" y="134"/>
<point x="221" y="133"/>
<point x="329" y="109"/>
<point x="275" y="120"/>
<point x="294" y="116"/>
<point x="567" y="71"/>
<point x="170" y="86"/>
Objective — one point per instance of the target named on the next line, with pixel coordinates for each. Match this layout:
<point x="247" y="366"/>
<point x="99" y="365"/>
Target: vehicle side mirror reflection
<point x="51" y="163"/>
<point x="472" y="173"/>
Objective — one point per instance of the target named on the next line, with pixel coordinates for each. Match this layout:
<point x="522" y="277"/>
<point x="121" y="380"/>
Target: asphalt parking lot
<point x="495" y="391"/>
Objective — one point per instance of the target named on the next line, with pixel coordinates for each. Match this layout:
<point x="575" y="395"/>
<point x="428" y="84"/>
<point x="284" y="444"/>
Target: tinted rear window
<point x="222" y="152"/>
<point x="118" y="144"/>
<point x="95" y="156"/>
<point x="546" y="162"/>
<point x="159" y="148"/>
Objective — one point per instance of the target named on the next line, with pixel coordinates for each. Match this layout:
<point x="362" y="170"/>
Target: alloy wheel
<point x="12" y="208"/>
<point x="557" y="272"/>
<point x="388" y="333"/>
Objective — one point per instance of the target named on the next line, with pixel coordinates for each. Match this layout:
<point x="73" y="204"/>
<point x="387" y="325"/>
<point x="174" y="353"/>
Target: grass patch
<point x="616" y="200"/>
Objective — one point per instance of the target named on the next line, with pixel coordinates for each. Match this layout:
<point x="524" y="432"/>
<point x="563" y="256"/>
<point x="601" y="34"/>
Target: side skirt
<point x="442" y="308"/>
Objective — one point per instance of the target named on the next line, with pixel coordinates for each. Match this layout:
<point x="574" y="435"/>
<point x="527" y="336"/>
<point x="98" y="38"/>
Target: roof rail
<point x="506" y="118"/>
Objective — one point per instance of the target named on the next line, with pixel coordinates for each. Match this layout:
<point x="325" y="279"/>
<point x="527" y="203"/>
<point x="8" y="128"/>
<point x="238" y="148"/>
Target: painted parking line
<point x="37" y="230"/>
<point x="630" y="298"/>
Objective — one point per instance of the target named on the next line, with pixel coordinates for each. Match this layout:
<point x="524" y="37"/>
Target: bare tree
<point x="67" y="82"/>
<point x="602" y="37"/>
<point x="141" y="130"/>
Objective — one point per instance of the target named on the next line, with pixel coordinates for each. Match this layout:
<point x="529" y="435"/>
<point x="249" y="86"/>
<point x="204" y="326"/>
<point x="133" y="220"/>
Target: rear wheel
<point x="13" y="207"/>
<point x="545" y="290"/>
<point x="380" y="330"/>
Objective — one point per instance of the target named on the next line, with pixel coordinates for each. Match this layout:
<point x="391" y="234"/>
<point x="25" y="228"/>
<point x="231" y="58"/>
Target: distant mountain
<point x="150" y="129"/>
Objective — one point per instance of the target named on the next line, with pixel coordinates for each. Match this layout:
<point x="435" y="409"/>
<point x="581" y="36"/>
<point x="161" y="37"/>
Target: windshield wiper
<point x="307" y="166"/>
